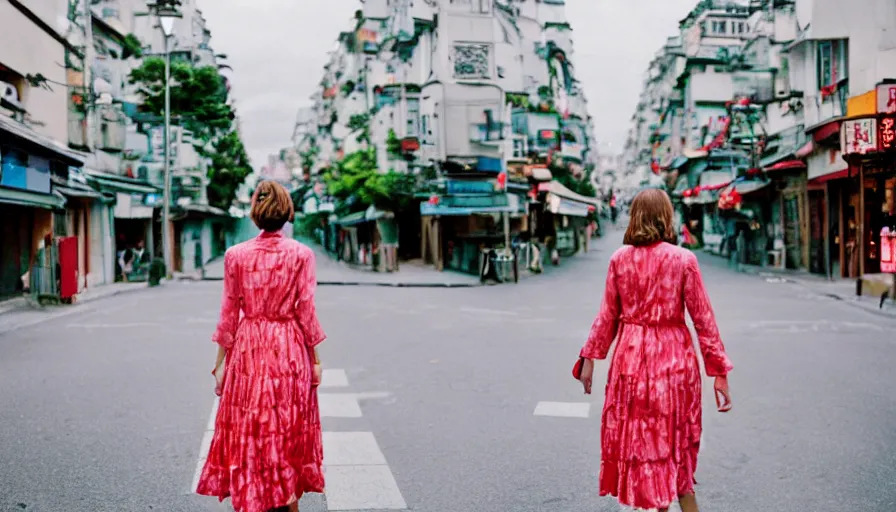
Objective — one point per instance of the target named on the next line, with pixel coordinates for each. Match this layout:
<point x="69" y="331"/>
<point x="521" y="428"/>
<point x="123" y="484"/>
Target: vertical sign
<point x="886" y="137"/>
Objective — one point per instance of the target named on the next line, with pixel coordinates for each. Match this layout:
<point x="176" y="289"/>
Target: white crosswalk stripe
<point x="357" y="474"/>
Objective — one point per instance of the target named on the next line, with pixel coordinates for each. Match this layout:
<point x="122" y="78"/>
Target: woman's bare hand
<point x="587" y="375"/>
<point x="219" y="379"/>
<point x="721" y="389"/>
<point x="316" y="376"/>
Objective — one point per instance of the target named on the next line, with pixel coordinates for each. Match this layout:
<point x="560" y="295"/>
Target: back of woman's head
<point x="271" y="206"/>
<point x="650" y="219"/>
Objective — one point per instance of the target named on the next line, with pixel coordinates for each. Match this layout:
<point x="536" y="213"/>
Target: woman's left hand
<point x="587" y="375"/>
<point x="316" y="375"/>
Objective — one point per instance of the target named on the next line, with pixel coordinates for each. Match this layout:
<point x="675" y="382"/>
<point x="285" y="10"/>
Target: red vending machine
<point x="68" y="267"/>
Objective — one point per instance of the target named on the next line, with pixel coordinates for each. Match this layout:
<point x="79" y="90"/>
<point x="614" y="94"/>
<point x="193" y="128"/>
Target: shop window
<point x="13" y="168"/>
<point x="832" y="62"/>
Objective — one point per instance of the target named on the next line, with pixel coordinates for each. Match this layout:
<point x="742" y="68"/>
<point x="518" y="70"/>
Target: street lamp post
<point x="167" y="13"/>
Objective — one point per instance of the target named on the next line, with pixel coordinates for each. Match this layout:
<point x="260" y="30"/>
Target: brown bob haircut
<point x="271" y="206"/>
<point x="650" y="219"/>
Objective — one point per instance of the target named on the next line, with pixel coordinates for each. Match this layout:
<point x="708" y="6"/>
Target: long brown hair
<point x="271" y="206"/>
<point x="651" y="219"/>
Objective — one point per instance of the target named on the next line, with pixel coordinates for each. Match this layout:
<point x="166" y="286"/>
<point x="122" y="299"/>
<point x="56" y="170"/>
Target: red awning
<point x="785" y="165"/>
<point x="826" y="131"/>
<point x="824" y="178"/>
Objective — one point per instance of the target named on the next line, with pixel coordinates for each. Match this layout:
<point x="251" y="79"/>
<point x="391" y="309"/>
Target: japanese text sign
<point x="887" y="133"/>
<point x="858" y="136"/>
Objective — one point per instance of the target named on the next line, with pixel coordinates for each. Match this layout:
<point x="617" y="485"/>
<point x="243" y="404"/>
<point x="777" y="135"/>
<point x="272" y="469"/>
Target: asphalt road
<point x="107" y="410"/>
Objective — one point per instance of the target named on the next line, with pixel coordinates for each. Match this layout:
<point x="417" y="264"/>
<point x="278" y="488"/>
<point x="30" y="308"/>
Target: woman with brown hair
<point x="651" y="421"/>
<point x="267" y="449"/>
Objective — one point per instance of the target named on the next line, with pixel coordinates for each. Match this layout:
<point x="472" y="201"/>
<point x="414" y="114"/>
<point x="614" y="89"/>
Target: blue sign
<point x="485" y="164"/>
<point x="470" y="187"/>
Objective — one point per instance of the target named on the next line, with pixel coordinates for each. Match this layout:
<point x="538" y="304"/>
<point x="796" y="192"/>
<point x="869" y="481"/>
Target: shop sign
<point x="887" y="251"/>
<point x="470" y="187"/>
<point x="862" y="104"/>
<point x="887" y="133"/>
<point x="886" y="98"/>
<point x="858" y="136"/>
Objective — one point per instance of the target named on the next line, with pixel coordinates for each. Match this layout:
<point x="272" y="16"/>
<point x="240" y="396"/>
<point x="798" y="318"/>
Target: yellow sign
<point x="862" y="105"/>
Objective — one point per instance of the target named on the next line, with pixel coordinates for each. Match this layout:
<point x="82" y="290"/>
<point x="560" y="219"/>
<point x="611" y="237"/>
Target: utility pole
<point x="166" y="194"/>
<point x="87" y="74"/>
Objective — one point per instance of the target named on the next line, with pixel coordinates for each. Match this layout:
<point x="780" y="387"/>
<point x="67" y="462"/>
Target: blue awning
<point x="427" y="209"/>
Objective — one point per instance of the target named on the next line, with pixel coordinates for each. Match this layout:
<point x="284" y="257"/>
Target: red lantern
<point x="433" y="200"/>
<point x="688" y="193"/>
<point x="655" y="167"/>
<point x="502" y="180"/>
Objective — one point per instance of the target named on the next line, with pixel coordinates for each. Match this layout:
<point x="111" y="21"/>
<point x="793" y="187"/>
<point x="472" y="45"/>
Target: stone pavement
<point x="843" y="290"/>
<point x="23" y="312"/>
<point x="335" y="273"/>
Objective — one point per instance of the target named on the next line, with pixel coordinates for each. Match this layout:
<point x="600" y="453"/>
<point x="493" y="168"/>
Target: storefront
<point x="457" y="228"/>
<point x="28" y="201"/>
<point x="868" y="144"/>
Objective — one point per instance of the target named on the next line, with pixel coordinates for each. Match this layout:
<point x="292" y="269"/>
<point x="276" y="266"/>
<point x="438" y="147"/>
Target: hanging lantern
<point x="434" y="200"/>
<point x="502" y="180"/>
<point x="655" y="167"/>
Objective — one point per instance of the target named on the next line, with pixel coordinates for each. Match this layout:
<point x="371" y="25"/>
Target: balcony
<point x="487" y="133"/>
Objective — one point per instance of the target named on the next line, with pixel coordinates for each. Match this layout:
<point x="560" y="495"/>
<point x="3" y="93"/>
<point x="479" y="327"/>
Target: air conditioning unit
<point x="10" y="95"/>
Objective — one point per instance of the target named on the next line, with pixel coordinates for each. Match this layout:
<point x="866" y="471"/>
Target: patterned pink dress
<point x="651" y="422"/>
<point x="267" y="448"/>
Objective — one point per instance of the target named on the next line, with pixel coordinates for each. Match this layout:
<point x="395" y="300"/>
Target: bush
<point x="157" y="271"/>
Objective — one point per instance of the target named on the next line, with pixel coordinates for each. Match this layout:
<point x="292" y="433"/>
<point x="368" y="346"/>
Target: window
<point x="719" y="27"/>
<point x="413" y="122"/>
<point x="832" y="62"/>
<point x="424" y="129"/>
<point x="739" y="27"/>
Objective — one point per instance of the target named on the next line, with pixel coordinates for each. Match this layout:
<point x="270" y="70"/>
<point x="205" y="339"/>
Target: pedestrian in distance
<point x="651" y="422"/>
<point x="267" y="448"/>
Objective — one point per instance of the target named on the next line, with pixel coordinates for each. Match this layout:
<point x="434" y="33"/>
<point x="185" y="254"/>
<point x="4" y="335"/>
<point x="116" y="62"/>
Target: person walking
<point x="267" y="447"/>
<point x="651" y="421"/>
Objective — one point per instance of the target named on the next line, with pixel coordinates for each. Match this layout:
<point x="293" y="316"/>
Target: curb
<point x="848" y="300"/>
<point x="54" y="312"/>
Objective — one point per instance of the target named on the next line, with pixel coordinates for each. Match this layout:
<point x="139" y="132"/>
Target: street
<point x="455" y="400"/>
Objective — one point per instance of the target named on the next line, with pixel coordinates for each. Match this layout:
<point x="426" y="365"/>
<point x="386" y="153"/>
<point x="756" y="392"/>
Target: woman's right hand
<point x="219" y="379"/>
<point x="587" y="376"/>
<point x="721" y="388"/>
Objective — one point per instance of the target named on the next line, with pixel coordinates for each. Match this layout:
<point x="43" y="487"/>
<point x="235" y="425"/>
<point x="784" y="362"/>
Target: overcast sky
<point x="278" y="48"/>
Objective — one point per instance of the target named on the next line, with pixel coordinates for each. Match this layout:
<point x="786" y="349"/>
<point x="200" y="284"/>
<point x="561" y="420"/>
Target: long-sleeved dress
<point x="651" y="421"/>
<point x="267" y="447"/>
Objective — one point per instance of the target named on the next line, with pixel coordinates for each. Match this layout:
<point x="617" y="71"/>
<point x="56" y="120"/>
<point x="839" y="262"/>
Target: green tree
<point x="198" y="96"/>
<point x="358" y="176"/>
<point x="199" y="103"/>
<point x="229" y="169"/>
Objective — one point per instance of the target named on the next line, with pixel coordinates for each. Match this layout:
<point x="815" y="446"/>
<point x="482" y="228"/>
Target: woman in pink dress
<point x="267" y="450"/>
<point x="651" y="421"/>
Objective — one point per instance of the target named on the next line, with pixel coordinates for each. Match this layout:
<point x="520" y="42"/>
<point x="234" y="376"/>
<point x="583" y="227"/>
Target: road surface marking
<point x="362" y="488"/>
<point x="563" y="409"/>
<point x="339" y="405"/>
<point x="352" y="449"/>
<point x="334" y="378"/>
<point x="204" y="446"/>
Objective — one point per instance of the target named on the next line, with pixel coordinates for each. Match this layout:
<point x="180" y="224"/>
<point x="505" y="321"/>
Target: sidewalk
<point x="24" y="312"/>
<point x="336" y="273"/>
<point x="840" y="289"/>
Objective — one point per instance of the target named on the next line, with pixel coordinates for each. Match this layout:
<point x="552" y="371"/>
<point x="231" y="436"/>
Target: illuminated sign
<point x="858" y="136"/>
<point x="887" y="133"/>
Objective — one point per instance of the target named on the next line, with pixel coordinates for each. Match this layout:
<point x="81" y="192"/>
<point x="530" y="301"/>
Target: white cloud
<point x="278" y="48"/>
